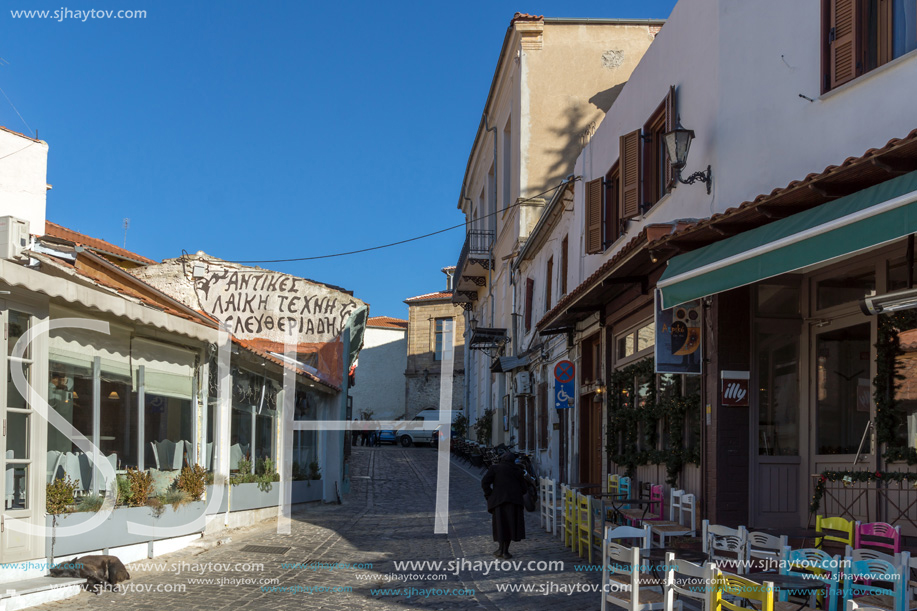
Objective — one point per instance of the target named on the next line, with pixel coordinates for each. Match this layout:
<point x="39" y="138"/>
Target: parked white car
<point x="412" y="431"/>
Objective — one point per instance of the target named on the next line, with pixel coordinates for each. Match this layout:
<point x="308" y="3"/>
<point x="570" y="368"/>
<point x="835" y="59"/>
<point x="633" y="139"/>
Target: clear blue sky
<point x="267" y="130"/>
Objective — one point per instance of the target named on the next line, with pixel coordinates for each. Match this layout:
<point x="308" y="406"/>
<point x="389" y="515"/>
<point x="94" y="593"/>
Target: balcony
<point x="473" y="266"/>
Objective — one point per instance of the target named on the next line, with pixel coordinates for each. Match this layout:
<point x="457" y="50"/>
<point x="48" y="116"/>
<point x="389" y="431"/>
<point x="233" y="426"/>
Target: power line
<point x="17" y="111"/>
<point x="414" y="239"/>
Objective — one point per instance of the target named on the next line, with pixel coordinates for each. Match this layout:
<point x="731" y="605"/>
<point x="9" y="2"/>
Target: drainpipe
<point x="466" y="383"/>
<point x="490" y="283"/>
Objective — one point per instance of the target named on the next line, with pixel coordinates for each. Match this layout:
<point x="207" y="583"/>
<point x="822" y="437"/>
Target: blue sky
<point x="268" y="130"/>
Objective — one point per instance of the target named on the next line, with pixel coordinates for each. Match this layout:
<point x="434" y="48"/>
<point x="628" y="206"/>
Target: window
<point x="603" y="215"/>
<point x="529" y="295"/>
<point x="657" y="173"/>
<point x="862" y="35"/>
<point x="635" y="344"/>
<point x="442" y="338"/>
<point x="549" y="273"/>
<point x="564" y="248"/>
<point x="611" y="226"/>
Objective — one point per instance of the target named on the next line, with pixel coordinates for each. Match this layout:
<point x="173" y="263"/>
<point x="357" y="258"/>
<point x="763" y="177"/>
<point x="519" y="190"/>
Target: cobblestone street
<point x="387" y="518"/>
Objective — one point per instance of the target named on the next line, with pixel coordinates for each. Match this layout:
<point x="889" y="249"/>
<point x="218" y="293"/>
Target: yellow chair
<point x="613" y="483"/>
<point x="570" y="521"/>
<point x="748" y="591"/>
<point x="842" y="535"/>
<point x="583" y="526"/>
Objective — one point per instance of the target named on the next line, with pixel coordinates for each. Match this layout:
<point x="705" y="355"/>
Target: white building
<point x="379" y="388"/>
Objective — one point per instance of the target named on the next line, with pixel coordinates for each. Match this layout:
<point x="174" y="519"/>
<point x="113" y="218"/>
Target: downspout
<point x="490" y="283"/>
<point x="469" y="372"/>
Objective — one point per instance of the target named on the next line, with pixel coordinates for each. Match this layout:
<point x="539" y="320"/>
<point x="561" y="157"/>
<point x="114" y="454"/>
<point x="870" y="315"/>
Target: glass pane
<point x="240" y="437"/>
<point x="647" y="336"/>
<point x="778" y="300"/>
<point x="18" y="325"/>
<point x="845" y="289"/>
<point x="70" y="395"/>
<point x="264" y="428"/>
<point x="778" y="393"/>
<point x="118" y="424"/>
<point x="13" y="397"/>
<point x="843" y="390"/>
<point x="906" y="390"/>
<point x="17" y="486"/>
<point x="17" y="435"/>
<point x="167" y="435"/>
<point x="904" y="37"/>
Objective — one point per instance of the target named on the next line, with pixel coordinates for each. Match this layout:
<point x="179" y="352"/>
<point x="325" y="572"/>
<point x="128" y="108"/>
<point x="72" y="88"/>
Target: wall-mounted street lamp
<point x="677" y="142"/>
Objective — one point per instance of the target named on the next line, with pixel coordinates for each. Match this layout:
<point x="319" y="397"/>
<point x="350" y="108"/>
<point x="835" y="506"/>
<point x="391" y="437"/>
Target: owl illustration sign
<point x="679" y="334"/>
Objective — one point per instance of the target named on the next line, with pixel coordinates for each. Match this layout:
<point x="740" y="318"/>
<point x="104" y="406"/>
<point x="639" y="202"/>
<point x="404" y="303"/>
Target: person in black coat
<point x="504" y="484"/>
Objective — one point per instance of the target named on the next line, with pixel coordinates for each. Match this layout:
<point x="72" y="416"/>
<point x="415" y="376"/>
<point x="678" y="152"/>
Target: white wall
<point x="23" y="179"/>
<point x="380" y="374"/>
<point x="739" y="68"/>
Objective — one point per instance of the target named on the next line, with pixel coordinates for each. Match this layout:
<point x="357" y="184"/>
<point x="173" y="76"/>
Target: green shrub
<point x="175" y="497"/>
<point x="314" y="471"/>
<point x="141" y="484"/>
<point x="59" y="496"/>
<point x="123" y="489"/>
<point x="90" y="502"/>
<point x="192" y="482"/>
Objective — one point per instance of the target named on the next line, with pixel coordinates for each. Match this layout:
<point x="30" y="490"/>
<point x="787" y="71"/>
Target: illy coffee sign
<point x="734" y="388"/>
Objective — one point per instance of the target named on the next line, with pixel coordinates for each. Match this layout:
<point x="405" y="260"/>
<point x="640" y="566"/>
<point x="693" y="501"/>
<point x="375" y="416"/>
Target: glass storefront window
<point x="906" y="390"/>
<point x="778" y="392"/>
<point x="70" y="395"/>
<point x="846" y="288"/>
<point x="167" y="419"/>
<point x="843" y="390"/>
<point x="778" y="300"/>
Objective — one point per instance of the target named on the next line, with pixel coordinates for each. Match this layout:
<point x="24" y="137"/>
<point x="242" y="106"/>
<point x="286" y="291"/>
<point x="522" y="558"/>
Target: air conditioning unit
<point x="14" y="237"/>
<point x="522" y="383"/>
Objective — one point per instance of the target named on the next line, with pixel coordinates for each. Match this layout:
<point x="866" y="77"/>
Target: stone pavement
<point x="387" y="517"/>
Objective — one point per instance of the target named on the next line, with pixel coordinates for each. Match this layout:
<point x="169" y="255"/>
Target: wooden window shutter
<point x="529" y="297"/>
<point x="530" y="422"/>
<point x="630" y="174"/>
<point x="543" y="415"/>
<point x="520" y="412"/>
<point x="843" y="53"/>
<point x="563" y="266"/>
<point x="594" y="216"/>
<point x="670" y="121"/>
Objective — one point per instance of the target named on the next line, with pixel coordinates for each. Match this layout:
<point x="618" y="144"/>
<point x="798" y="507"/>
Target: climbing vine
<point x="849" y="477"/>
<point x="636" y="409"/>
<point x="887" y="382"/>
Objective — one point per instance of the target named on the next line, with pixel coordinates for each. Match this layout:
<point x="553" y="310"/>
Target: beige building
<point x="555" y="79"/>
<point x="434" y="324"/>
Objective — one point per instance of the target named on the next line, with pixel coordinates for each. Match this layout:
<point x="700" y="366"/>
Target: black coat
<point x="504" y="482"/>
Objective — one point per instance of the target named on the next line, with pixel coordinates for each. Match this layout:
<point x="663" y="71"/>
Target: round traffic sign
<point x="564" y="372"/>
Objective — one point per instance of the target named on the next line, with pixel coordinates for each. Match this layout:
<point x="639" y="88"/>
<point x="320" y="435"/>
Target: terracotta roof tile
<point x="387" y="322"/>
<point x="62" y="233"/>
<point x="525" y="17"/>
<point x="430" y="297"/>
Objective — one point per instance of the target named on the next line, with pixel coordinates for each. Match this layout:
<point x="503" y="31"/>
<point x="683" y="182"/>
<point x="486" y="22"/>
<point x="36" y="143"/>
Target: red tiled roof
<point x="15" y="133"/>
<point x="854" y="173"/>
<point x="387" y="322"/>
<point x="62" y="233"/>
<point x="430" y="297"/>
<point x="252" y="346"/>
<point x="525" y="17"/>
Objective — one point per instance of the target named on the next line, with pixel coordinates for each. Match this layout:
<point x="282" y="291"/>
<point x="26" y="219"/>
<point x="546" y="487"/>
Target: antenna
<point x="126" y="225"/>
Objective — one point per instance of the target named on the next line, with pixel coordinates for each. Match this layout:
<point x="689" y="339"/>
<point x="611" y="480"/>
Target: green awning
<point x="860" y="221"/>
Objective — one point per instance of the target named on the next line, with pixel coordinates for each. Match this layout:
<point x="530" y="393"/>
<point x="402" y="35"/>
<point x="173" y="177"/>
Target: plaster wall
<point x="23" y="180"/>
<point x="380" y="374"/>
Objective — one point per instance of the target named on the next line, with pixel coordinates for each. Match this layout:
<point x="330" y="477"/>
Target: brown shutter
<point x="630" y="174"/>
<point x="543" y="416"/>
<point x="563" y="266"/>
<point x="670" y="120"/>
<point x="530" y="422"/>
<point x="594" y="216"/>
<point x="842" y="39"/>
<point x="520" y="412"/>
<point x="529" y="295"/>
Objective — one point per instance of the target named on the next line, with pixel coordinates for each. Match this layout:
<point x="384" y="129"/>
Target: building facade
<point x="379" y="389"/>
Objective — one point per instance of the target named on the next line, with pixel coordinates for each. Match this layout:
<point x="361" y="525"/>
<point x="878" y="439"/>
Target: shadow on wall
<point x="568" y="139"/>
<point x="422" y="382"/>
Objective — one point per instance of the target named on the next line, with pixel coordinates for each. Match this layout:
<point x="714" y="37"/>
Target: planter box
<point x="113" y="531"/>
<point x="224" y="503"/>
<point x="243" y="497"/>
<point x="306" y="491"/>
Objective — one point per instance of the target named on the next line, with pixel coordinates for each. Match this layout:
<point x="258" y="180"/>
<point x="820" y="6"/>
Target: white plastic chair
<point x="684" y="506"/>
<point x="718" y="538"/>
<point x="701" y="577"/>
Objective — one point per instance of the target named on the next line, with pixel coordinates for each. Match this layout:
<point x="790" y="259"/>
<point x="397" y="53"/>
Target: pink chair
<point x="878" y="536"/>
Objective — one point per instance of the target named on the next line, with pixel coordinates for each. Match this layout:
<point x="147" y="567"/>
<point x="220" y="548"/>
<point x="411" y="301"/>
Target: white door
<point x="22" y="481"/>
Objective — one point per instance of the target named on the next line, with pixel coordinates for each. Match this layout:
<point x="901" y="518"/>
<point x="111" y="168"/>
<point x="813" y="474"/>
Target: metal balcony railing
<point x="476" y="243"/>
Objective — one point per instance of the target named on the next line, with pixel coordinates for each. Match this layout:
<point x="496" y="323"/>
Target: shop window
<point x="862" y="35"/>
<point x="844" y="289"/>
<point x="778" y="299"/>
<point x="897" y="277"/>
<point x="843" y="390"/>
<point x="904" y="421"/>
<point x="778" y="391"/>
<point x="253" y="419"/>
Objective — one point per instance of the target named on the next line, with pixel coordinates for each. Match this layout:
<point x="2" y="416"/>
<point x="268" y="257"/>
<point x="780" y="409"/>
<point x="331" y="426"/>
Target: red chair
<point x="878" y="536"/>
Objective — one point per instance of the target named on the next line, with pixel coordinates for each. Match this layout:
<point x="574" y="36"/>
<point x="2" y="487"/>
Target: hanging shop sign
<point x="678" y="338"/>
<point x="734" y="388"/>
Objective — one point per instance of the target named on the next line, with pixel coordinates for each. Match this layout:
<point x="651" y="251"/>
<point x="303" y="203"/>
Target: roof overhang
<point x="484" y="338"/>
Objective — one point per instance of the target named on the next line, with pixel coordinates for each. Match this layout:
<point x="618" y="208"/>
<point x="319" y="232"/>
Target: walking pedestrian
<point x="354" y="433"/>
<point x="504" y="484"/>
